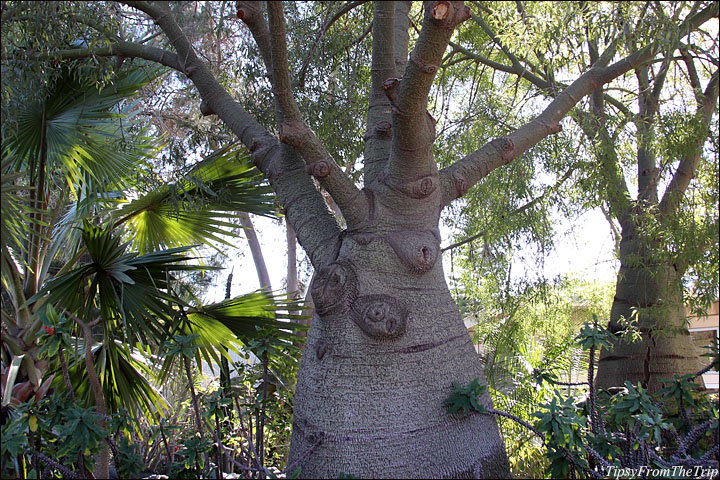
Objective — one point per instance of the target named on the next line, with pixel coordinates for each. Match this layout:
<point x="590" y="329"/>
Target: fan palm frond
<point x="131" y="292"/>
<point x="125" y="378"/>
<point x="16" y="224"/>
<point x="198" y="209"/>
<point x="237" y="321"/>
<point x="79" y="136"/>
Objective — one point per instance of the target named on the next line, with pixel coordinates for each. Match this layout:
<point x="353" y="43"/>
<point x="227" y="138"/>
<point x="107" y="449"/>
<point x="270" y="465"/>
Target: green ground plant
<point x="593" y="434"/>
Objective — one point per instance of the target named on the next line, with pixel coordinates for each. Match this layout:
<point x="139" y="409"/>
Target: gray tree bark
<point x="379" y="363"/>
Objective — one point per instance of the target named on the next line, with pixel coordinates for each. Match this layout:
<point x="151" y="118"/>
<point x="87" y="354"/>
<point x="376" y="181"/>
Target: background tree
<point x="387" y="340"/>
<point x="647" y="159"/>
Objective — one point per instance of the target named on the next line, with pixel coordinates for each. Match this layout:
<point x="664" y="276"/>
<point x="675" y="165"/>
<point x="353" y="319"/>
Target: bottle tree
<point x="387" y="340"/>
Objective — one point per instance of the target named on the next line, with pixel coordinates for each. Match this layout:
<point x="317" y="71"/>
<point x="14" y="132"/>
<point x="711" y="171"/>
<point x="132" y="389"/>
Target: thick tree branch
<point x="689" y="163"/>
<point x="295" y="132"/>
<point x="251" y="14"/>
<point x="594" y="126"/>
<point x="305" y="208"/>
<point x="459" y="177"/>
<point x="462" y="175"/>
<point x="647" y="110"/>
<point x="413" y="127"/>
<point x="119" y="49"/>
<point x="379" y="119"/>
<point x="216" y="98"/>
<point x="256" y="251"/>
<point x="402" y="37"/>
<point x="692" y="74"/>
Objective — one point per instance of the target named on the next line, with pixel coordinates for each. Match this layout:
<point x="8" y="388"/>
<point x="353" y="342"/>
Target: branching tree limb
<point x="118" y="49"/>
<point x="465" y="173"/>
<point x="295" y="132"/>
<point x="316" y="227"/>
<point x="379" y="120"/>
<point x="413" y="127"/>
<point x="689" y="162"/>
<point x="251" y="14"/>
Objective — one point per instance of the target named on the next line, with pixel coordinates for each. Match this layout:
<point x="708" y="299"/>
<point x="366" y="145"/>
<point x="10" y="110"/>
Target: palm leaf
<point x="237" y="321"/>
<point x="200" y="207"/>
<point x="83" y="137"/>
<point x="124" y="377"/>
<point x="245" y="313"/>
<point x="132" y="292"/>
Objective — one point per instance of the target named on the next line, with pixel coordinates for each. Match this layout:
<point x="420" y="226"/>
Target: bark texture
<point x="387" y="340"/>
<point x="378" y="365"/>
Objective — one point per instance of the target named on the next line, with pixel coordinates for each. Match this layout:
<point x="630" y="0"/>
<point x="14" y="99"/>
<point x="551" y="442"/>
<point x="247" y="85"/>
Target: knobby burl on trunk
<point x="387" y="340"/>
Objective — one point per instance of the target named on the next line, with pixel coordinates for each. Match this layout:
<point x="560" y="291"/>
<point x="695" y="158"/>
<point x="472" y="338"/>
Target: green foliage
<point x="56" y="333"/>
<point x="562" y="421"/>
<point x="199" y="207"/>
<point x="582" y="434"/>
<point x="714" y="354"/>
<point x="182" y="345"/>
<point x="88" y="146"/>
<point x="15" y="223"/>
<point x="193" y="452"/>
<point x="80" y="432"/>
<point x="628" y="429"/>
<point x="65" y="431"/>
<point x="129" y="462"/>
<point x="527" y="340"/>
<point x="594" y="336"/>
<point x="465" y="398"/>
<point x="14" y="438"/>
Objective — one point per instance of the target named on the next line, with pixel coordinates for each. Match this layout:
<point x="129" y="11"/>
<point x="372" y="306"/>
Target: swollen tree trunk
<point x="385" y="345"/>
<point x="652" y="294"/>
<point x="646" y="286"/>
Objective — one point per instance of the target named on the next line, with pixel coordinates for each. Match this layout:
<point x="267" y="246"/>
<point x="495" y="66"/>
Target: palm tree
<point x="72" y="240"/>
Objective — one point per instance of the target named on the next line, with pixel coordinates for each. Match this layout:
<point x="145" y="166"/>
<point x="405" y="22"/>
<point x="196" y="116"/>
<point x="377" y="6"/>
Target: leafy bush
<point x="632" y="431"/>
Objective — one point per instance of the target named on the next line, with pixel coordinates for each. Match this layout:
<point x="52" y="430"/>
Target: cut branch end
<point x="441" y="10"/>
